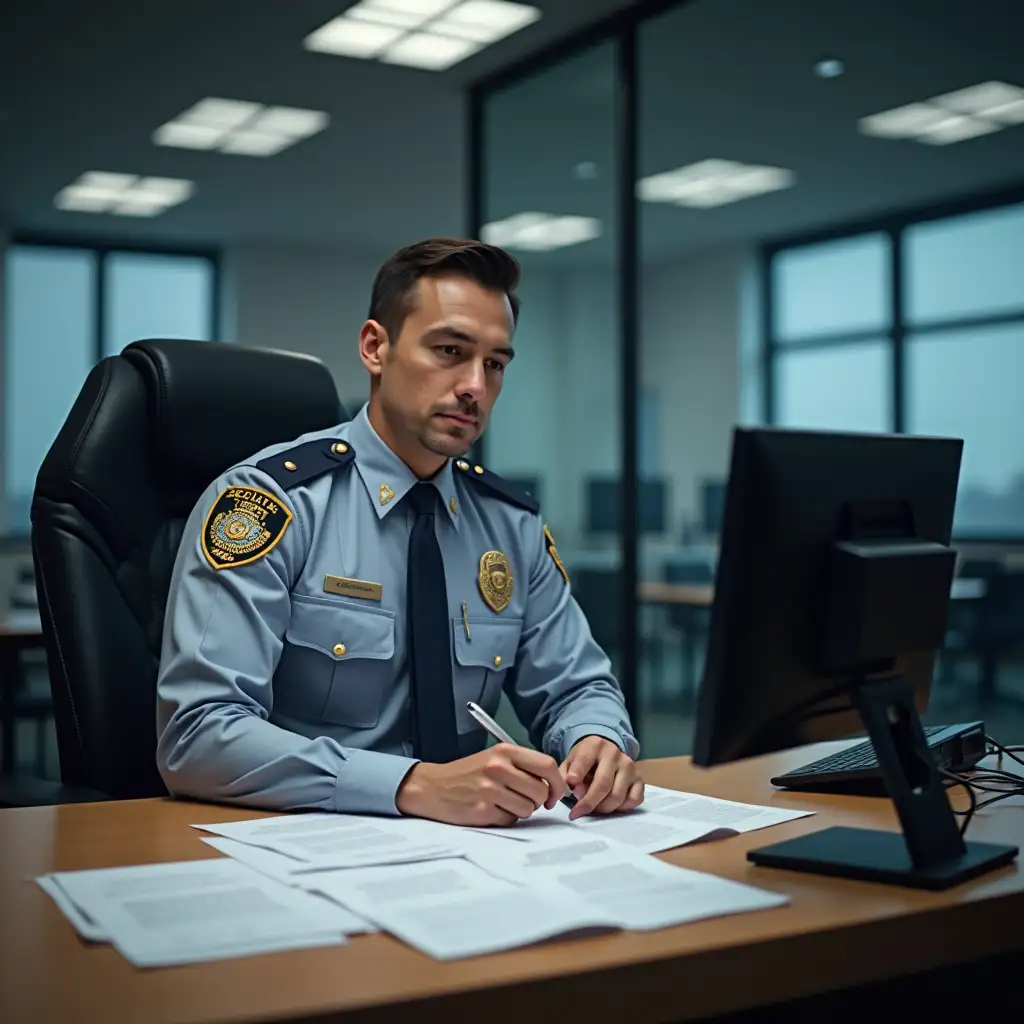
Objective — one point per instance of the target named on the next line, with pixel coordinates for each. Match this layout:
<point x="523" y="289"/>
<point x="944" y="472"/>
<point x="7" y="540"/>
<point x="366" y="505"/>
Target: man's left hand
<point x="602" y="778"/>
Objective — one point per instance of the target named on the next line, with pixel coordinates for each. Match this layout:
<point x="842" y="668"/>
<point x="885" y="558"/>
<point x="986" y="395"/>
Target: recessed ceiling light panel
<point x="714" y="182"/>
<point x="540" y="232"/>
<point x="428" y="34"/>
<point x="125" y="195"/>
<point x="240" y="127"/>
<point x="952" y="117"/>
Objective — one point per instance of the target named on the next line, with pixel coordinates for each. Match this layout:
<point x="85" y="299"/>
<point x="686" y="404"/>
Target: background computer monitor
<point x="712" y="506"/>
<point x="603" y="511"/>
<point x="831" y="598"/>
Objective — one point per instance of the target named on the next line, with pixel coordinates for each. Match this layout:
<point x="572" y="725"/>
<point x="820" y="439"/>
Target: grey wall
<point x="301" y="298"/>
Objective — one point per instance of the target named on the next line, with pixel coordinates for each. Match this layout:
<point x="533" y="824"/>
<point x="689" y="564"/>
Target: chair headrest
<point x="211" y="405"/>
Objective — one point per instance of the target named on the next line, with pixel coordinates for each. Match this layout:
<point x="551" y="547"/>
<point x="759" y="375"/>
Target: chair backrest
<point x="151" y="428"/>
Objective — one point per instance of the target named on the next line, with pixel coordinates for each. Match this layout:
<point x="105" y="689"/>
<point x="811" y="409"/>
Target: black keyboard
<point x="956" y="748"/>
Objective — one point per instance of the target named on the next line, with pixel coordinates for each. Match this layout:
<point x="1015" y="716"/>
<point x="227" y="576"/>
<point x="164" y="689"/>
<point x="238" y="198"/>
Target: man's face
<point x="440" y="378"/>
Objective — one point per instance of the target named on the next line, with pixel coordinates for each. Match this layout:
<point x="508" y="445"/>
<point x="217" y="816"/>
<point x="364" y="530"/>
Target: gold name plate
<point x="352" y="588"/>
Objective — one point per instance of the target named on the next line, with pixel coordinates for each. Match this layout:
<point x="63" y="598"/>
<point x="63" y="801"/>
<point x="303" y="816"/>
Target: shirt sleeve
<point x="562" y="681"/>
<point x="222" y="640"/>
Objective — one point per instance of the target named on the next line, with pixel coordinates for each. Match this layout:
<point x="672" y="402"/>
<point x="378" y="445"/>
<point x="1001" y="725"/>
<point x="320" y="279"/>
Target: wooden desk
<point x="835" y="934"/>
<point x="696" y="595"/>
<point x="701" y="595"/>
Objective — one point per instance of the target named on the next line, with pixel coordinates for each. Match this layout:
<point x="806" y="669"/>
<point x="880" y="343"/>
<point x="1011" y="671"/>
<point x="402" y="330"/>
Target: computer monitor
<point x="712" y="506"/>
<point x="604" y="505"/>
<point x="831" y="598"/>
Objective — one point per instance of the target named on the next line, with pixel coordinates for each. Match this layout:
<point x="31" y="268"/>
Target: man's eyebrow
<point x="456" y="335"/>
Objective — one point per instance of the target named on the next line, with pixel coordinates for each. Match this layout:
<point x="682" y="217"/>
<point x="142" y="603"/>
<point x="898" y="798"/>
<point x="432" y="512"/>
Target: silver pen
<point x="490" y="725"/>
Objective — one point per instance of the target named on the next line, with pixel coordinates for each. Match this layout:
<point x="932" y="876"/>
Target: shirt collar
<point x="387" y="478"/>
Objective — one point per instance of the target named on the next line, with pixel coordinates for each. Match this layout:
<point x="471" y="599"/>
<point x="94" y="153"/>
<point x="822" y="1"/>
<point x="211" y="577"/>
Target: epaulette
<point x="306" y="462"/>
<point x="499" y="487"/>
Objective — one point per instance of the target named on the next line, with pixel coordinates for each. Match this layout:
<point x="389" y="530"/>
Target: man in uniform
<point x="338" y="599"/>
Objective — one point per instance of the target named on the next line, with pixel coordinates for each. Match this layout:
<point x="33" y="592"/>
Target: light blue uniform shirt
<point x="275" y="691"/>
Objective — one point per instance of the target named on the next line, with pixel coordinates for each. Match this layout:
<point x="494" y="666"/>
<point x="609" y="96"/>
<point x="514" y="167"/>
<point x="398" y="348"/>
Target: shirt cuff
<point x="368" y="782"/>
<point x="573" y="735"/>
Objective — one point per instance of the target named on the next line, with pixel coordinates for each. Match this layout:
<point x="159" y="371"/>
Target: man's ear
<point x="373" y="346"/>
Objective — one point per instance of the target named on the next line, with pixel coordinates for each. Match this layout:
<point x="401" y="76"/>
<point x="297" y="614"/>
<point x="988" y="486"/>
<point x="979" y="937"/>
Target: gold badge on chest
<point x="495" y="580"/>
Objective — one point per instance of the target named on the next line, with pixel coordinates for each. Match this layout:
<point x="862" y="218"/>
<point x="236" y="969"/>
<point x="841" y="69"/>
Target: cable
<point x="999" y="749"/>
<point x="969" y="813"/>
<point x="1001" y="784"/>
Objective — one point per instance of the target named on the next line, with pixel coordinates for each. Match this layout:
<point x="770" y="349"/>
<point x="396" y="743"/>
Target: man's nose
<point x="473" y="383"/>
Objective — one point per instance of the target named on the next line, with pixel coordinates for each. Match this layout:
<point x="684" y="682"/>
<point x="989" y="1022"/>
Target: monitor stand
<point x="930" y="853"/>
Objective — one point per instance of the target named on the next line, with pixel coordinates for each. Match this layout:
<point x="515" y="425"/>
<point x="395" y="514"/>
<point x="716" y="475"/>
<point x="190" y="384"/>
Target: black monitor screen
<point x="603" y="505"/>
<point x="712" y="505"/>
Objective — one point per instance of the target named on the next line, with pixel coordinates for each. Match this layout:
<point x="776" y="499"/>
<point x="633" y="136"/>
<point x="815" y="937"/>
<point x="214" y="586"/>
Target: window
<point x="66" y="307"/>
<point x="839" y="387"/>
<point x="959" y="341"/>
<point x="149" y="295"/>
<point x="50" y="303"/>
<point x="832" y="288"/>
<point x="966" y="383"/>
<point x="967" y="266"/>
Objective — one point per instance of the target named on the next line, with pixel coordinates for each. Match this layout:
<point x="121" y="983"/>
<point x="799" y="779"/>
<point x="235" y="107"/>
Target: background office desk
<point x="834" y="935"/>
<point x="20" y="631"/>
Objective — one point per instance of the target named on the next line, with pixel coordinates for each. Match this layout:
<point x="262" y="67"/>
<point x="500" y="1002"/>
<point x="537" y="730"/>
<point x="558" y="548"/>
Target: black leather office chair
<point x="149" y="431"/>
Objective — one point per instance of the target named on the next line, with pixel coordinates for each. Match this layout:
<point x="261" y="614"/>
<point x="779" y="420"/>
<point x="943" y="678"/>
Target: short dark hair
<point x="391" y="299"/>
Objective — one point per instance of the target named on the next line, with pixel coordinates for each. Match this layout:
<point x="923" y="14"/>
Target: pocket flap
<point x="493" y="644"/>
<point x="342" y="631"/>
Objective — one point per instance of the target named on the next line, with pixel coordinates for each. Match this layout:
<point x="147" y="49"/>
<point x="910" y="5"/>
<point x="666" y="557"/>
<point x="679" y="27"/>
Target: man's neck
<point x="422" y="463"/>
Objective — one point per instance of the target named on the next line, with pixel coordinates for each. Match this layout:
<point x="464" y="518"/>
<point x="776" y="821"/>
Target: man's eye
<point x="450" y="350"/>
<point x="496" y="364"/>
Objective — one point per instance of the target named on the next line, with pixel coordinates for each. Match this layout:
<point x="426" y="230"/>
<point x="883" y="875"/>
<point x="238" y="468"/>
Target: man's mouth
<point x="460" y="418"/>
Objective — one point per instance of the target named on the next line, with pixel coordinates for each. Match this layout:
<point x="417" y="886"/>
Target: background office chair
<point x="149" y="431"/>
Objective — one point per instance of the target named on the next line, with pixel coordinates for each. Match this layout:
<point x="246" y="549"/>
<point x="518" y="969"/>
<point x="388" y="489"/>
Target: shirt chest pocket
<point x="337" y="663"/>
<point x="483" y="656"/>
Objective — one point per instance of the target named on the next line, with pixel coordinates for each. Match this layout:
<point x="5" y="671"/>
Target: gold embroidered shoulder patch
<point x="243" y="525"/>
<point x="553" y="552"/>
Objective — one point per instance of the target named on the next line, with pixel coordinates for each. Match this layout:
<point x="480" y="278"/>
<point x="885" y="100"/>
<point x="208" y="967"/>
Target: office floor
<point x="665" y="728"/>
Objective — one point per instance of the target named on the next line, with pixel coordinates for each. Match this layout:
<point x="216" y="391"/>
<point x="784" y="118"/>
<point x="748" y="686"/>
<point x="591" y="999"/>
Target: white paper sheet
<point x="161" y="914"/>
<point x="642" y="830"/>
<point x="80" y="921"/>
<point x="335" y="840"/>
<point x="708" y="810"/>
<point x="451" y="908"/>
<point x="285" y="870"/>
<point x="635" y="891"/>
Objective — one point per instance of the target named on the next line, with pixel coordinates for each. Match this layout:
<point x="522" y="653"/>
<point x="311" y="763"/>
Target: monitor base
<point x="872" y="855"/>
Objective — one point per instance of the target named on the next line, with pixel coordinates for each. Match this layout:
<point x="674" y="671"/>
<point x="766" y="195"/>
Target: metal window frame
<point x="894" y="225"/>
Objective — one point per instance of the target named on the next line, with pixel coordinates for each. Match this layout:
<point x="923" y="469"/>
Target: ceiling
<point x="734" y="79"/>
<point x="83" y="86"/>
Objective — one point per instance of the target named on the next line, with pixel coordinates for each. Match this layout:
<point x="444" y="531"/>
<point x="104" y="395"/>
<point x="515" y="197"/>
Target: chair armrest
<point x="28" y="792"/>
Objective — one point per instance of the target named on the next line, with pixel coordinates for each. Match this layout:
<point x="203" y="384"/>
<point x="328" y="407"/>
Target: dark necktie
<point x="435" y="734"/>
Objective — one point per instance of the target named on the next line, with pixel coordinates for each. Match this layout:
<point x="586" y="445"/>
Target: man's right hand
<point x="498" y="786"/>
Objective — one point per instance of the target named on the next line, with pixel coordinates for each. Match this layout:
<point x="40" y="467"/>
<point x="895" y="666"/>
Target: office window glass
<point x="838" y="387"/>
<point x="839" y="287"/>
<point x="966" y="266"/>
<point x="549" y="154"/>
<point x="48" y="350"/>
<point x="967" y="383"/>
<point x="151" y="295"/>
